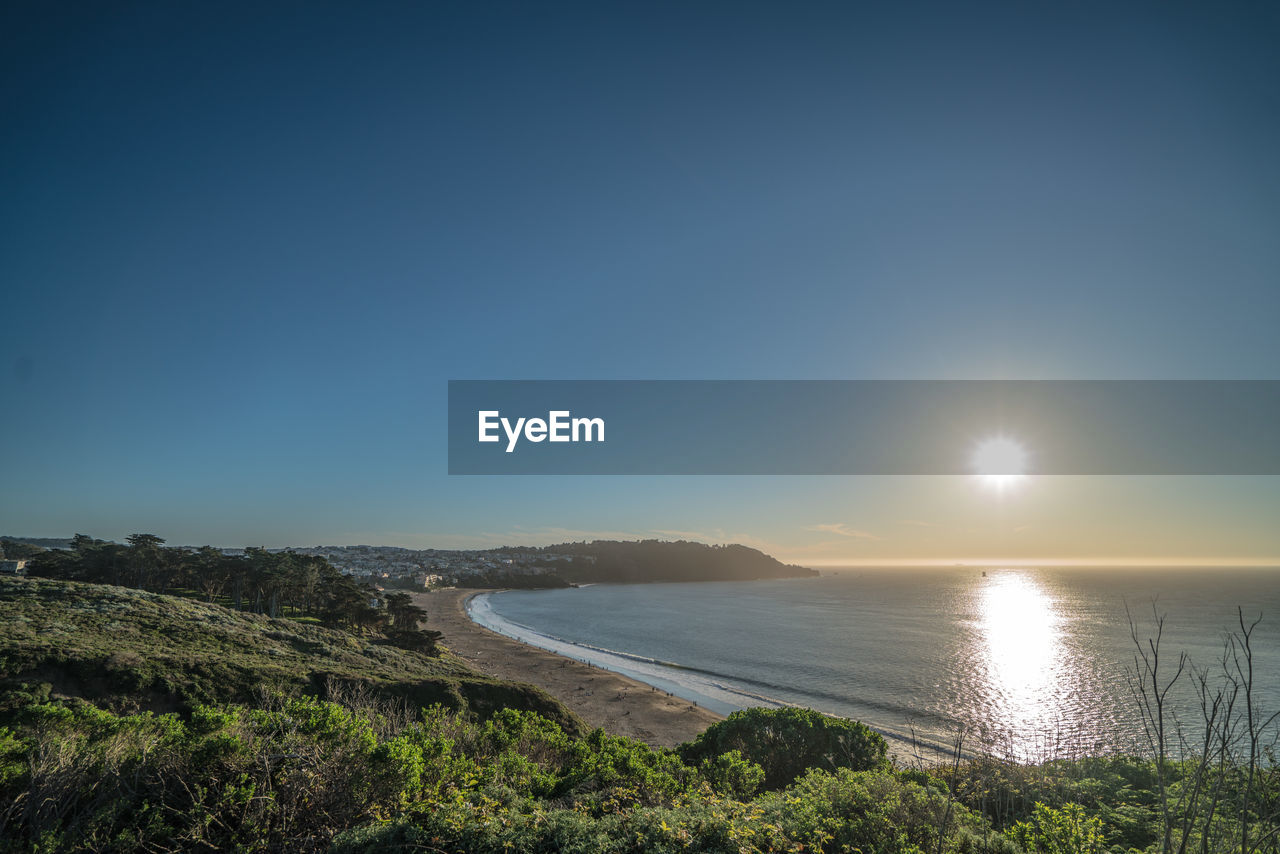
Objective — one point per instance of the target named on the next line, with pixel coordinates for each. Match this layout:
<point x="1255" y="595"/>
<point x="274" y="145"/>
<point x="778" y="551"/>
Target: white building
<point x="13" y="567"/>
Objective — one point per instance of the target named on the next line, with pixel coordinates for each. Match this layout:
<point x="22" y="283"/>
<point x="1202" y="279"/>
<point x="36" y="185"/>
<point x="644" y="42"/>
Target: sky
<point x="244" y="247"/>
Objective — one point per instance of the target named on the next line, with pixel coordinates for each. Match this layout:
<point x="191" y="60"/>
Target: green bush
<point x="788" y="742"/>
<point x="731" y="775"/>
<point x="1068" y="830"/>
<point x="869" y="811"/>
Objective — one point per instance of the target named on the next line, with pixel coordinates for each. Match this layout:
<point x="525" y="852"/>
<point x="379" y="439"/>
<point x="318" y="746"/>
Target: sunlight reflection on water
<point x="1027" y="664"/>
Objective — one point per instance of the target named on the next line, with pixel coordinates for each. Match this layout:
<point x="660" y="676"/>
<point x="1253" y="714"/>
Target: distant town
<point x="381" y="566"/>
<point x="427" y="568"/>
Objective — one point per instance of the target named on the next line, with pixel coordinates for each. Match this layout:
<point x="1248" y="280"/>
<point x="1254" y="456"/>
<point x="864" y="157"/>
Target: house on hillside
<point x="13" y="567"/>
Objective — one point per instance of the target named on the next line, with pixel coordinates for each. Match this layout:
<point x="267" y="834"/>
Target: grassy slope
<point x="127" y="650"/>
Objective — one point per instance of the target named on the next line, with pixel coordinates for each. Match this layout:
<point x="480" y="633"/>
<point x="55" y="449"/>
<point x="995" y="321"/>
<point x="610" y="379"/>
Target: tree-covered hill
<point x="660" y="560"/>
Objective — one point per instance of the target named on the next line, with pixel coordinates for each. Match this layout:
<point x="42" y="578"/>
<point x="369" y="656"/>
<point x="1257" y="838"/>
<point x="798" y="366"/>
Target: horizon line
<point x="1015" y="563"/>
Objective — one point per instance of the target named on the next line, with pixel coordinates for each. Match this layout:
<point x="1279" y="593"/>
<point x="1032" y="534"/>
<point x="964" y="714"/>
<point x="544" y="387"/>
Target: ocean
<point x="1028" y="663"/>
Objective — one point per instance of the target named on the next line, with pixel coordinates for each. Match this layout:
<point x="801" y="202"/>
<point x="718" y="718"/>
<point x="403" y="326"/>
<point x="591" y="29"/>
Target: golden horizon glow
<point x="1015" y="563"/>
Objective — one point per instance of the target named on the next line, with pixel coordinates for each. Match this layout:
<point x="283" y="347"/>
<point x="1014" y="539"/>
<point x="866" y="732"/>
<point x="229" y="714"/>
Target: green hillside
<point x="127" y="650"/>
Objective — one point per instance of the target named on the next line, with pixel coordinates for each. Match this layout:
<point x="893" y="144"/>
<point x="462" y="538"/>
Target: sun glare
<point x="1000" y="462"/>
<point x="1021" y="632"/>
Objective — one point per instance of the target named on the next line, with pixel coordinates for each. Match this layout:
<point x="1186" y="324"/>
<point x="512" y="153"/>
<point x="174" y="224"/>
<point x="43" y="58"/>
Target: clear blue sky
<point x="244" y="246"/>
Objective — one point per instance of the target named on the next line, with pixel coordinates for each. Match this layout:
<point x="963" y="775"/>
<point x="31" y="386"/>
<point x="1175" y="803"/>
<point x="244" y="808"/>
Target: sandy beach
<point x="614" y="702"/>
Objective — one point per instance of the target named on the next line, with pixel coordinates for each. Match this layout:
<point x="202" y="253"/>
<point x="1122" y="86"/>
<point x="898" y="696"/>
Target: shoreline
<point x="612" y="701"/>
<point x="616" y="703"/>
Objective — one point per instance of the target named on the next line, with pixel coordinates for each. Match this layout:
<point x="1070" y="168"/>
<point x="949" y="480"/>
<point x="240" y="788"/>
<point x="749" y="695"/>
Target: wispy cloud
<point x="843" y="530"/>
<point x="916" y="523"/>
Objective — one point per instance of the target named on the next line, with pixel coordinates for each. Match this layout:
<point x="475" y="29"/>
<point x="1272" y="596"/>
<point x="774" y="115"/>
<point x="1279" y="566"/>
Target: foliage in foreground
<point x="301" y="774"/>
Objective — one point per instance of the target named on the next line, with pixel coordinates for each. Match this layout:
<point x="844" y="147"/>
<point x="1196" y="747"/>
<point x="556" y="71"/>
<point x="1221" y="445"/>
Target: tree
<point x="82" y="543"/>
<point x="212" y="571"/>
<point x="144" y="558"/>
<point x="788" y="742"/>
<point x="405" y="615"/>
<point x="1216" y="788"/>
<point x="405" y="618"/>
<point x="12" y="549"/>
<point x="1150" y="686"/>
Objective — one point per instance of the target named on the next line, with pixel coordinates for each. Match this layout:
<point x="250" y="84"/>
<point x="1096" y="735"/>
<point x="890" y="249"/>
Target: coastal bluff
<point x="638" y="562"/>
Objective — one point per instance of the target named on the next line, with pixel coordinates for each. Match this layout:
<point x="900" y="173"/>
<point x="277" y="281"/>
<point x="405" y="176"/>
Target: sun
<point x="1000" y="462"/>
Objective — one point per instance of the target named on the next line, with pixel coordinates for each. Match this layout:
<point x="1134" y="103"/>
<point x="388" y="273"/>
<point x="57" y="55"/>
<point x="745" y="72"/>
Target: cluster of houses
<point x="434" y="567"/>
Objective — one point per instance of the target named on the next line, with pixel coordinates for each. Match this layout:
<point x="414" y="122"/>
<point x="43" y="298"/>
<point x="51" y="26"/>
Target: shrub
<point x="871" y="811"/>
<point x="787" y="742"/>
<point x="731" y="775"/>
<point x="1059" y="831"/>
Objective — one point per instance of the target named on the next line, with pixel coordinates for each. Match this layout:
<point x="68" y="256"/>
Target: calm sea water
<point x="1035" y="662"/>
